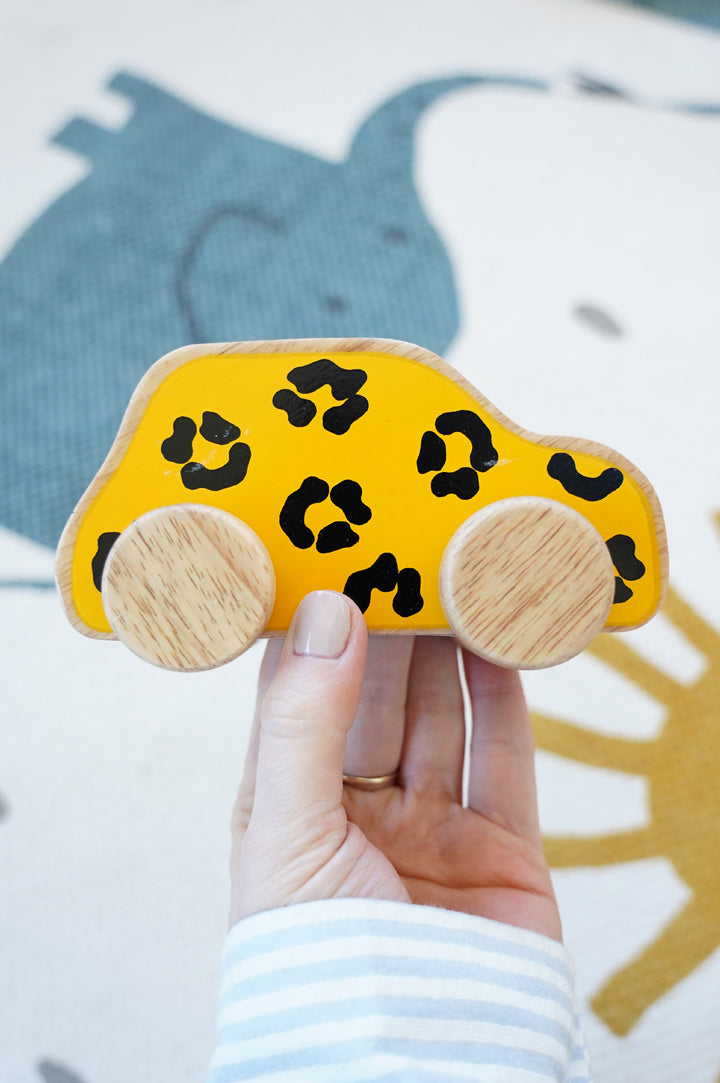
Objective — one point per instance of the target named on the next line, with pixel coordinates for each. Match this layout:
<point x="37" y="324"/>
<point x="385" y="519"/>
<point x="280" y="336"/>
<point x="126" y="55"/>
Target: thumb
<point x="305" y="716"/>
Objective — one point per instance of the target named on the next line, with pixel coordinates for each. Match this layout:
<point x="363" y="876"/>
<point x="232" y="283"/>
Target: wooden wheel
<point x="526" y="583"/>
<point x="188" y="587"/>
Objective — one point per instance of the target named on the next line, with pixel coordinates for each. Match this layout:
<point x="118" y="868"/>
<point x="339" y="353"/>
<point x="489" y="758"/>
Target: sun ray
<point x="581" y="851"/>
<point x="682" y="945"/>
<point x="681" y="765"/>
<point x="595" y="749"/>
<point x="697" y="631"/>
<point x="609" y="648"/>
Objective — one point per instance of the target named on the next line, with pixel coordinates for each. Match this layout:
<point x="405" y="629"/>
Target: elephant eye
<point x="395" y="235"/>
<point x="336" y="304"/>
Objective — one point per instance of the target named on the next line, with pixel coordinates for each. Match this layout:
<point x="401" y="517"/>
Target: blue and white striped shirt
<point x="348" y="990"/>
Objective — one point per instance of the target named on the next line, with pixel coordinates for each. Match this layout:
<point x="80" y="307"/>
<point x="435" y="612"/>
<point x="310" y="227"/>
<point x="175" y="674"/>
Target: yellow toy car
<point x="246" y="474"/>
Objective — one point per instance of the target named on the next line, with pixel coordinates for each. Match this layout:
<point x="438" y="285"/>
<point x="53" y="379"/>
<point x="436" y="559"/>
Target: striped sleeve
<point x="348" y="990"/>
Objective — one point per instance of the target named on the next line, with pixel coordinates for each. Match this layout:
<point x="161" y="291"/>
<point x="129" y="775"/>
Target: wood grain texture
<point x="188" y="587"/>
<point x="526" y="583"/>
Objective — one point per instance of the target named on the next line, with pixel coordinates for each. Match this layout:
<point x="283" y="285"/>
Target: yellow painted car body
<point x="354" y="461"/>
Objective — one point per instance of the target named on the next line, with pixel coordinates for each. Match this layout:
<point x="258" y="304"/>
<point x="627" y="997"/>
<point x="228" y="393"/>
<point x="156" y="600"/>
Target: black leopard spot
<point x="408" y="599"/>
<point x="347" y="495"/>
<point x="482" y="454"/>
<point x="338" y="419"/>
<point x="344" y="385"/>
<point x="300" y="412"/>
<point x="178" y="448"/>
<point x="343" y="382"/>
<point x="105" y="543"/>
<point x="292" y="517"/>
<point x="217" y="430"/>
<point x="197" y="476"/>
<point x="622" y="551"/>
<point x="563" y="469"/>
<point x="384" y="575"/>
<point x="463" y="483"/>
<point x="623" y="593"/>
<point x="433" y="453"/>
<point x="335" y="536"/>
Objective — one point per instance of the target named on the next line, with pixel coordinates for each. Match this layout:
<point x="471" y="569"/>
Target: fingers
<point x="305" y="715"/>
<point x="375" y="741"/>
<point x="246" y="792"/>
<point x="435" y="728"/>
<point x="502" y="751"/>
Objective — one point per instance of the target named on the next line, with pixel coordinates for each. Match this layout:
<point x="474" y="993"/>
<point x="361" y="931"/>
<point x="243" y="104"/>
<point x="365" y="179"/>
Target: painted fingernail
<point x="322" y="625"/>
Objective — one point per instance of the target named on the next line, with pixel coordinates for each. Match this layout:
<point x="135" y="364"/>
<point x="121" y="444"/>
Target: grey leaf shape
<point x="55" y="1073"/>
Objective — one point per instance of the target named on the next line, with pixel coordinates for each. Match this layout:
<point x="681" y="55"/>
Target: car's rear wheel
<point x="526" y="583"/>
<point x="188" y="587"/>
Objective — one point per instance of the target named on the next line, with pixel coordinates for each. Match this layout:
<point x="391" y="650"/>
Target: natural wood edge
<point x="173" y="360"/>
<point x="63" y="579"/>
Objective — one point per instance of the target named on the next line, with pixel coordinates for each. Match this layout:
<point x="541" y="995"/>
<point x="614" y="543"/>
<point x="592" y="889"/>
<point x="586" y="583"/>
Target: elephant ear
<point x="407" y="261"/>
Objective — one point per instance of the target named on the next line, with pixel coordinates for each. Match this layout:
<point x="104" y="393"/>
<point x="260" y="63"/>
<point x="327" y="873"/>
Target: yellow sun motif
<point x="682" y="766"/>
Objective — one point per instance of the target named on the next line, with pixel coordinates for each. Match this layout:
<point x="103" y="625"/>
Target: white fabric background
<point x="119" y="778"/>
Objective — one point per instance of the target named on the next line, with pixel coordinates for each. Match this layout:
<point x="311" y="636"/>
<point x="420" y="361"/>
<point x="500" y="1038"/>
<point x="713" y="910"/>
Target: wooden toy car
<point x="246" y="474"/>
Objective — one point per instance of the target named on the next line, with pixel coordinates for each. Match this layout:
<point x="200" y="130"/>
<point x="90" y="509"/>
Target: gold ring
<point x="375" y="782"/>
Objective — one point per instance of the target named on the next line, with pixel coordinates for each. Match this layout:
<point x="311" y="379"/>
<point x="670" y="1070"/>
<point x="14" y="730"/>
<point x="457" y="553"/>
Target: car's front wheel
<point x="188" y="587"/>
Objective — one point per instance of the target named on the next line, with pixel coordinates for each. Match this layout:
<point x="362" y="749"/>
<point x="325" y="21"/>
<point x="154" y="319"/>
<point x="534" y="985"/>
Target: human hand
<point x="300" y="834"/>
